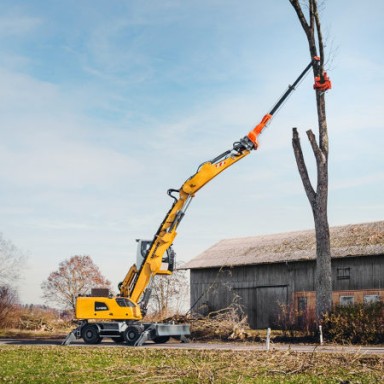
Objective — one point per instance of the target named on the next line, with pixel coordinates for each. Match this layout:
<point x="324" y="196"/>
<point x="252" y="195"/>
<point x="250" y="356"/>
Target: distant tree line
<point x="74" y="277"/>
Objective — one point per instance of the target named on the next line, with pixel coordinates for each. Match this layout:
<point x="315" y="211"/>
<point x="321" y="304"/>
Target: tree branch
<point x="311" y="18"/>
<point x="296" y="6"/>
<point x="320" y="39"/>
<point x="308" y="29"/>
<point x="316" y="150"/>
<point x="311" y="194"/>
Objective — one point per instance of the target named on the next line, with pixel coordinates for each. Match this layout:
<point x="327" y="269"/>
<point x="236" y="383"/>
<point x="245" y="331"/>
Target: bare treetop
<point x="74" y="277"/>
<point x="11" y="260"/>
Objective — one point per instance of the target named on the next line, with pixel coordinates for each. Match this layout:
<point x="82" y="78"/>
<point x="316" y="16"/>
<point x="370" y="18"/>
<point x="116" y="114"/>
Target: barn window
<point x="302" y="304"/>
<point x="369" y="299"/>
<point x="347" y="300"/>
<point x="343" y="273"/>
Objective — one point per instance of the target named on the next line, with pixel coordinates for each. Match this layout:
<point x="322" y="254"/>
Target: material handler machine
<point x="120" y="317"/>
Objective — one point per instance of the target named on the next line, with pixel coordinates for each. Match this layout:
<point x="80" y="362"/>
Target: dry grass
<point x="13" y="333"/>
<point x="146" y="365"/>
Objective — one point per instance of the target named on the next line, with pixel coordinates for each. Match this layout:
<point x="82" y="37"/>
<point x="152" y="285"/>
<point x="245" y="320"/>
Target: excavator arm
<point x="138" y="280"/>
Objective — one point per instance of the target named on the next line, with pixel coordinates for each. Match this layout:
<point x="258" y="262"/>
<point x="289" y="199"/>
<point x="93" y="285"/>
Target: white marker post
<point x="268" y="342"/>
<point x="321" y="335"/>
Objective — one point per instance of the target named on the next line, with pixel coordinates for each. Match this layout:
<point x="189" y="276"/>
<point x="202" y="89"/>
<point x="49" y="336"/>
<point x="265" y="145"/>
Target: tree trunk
<point x="318" y="198"/>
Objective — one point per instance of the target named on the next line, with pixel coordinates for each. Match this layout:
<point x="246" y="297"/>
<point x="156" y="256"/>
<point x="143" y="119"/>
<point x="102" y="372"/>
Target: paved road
<point x="212" y="346"/>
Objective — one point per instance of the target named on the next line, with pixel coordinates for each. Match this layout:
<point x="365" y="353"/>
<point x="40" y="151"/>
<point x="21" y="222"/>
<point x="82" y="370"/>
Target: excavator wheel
<point x="90" y="334"/>
<point x="131" y="335"/>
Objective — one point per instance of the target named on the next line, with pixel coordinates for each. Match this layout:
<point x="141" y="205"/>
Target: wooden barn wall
<point x="262" y="289"/>
<point x="364" y="273"/>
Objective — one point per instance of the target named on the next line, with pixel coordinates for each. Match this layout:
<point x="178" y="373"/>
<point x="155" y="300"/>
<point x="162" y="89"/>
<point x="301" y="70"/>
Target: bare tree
<point x="8" y="302"/>
<point x="75" y="277"/>
<point x="169" y="294"/>
<point x="318" y="197"/>
<point x="11" y="262"/>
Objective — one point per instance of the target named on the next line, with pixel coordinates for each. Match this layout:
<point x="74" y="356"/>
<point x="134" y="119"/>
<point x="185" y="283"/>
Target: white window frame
<point x="369" y="299"/>
<point x="347" y="300"/>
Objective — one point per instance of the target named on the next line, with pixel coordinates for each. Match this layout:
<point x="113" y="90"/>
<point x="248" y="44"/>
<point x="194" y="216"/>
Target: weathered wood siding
<point x="262" y="289"/>
<point x="364" y="273"/>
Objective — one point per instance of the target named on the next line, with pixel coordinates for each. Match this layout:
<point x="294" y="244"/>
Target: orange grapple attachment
<point x="252" y="135"/>
<point x="322" y="85"/>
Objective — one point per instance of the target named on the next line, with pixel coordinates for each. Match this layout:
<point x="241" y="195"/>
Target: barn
<point x="272" y="273"/>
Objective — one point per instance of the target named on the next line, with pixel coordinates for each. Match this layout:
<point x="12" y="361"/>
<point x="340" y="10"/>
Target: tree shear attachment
<point x="322" y="83"/>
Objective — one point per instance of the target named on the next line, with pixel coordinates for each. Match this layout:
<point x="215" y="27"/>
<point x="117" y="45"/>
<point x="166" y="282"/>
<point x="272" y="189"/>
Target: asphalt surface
<point x="230" y="346"/>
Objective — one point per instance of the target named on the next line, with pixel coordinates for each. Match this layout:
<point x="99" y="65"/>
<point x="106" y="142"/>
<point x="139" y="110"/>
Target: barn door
<point x="268" y="301"/>
<point x="262" y="304"/>
<point x="248" y="302"/>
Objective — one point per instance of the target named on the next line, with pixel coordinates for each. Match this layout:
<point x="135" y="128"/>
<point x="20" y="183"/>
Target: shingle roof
<point x="350" y="240"/>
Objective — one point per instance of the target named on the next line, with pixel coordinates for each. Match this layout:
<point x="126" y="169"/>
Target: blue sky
<point x="107" y="104"/>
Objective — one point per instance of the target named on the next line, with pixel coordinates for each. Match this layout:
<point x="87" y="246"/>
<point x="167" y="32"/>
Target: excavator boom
<point x="119" y="317"/>
<point x="137" y="281"/>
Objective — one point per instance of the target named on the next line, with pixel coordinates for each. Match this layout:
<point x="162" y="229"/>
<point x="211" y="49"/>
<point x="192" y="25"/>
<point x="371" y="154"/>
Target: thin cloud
<point x="15" y="24"/>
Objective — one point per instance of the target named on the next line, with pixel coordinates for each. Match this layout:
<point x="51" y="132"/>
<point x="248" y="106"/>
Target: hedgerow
<point x="356" y="324"/>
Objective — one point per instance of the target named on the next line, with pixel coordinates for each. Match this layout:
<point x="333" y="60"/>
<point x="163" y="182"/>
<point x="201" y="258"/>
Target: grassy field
<point x="57" y="364"/>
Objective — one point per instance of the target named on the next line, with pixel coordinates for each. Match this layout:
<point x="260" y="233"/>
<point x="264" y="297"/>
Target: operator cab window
<point x="145" y="245"/>
<point x="123" y="302"/>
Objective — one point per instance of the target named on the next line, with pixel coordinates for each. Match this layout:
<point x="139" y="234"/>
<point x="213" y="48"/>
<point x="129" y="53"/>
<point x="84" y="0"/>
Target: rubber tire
<point x="90" y="334"/>
<point x="161" y="339"/>
<point x="131" y="335"/>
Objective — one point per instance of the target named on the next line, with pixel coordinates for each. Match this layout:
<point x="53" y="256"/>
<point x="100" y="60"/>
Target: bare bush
<point x="169" y="295"/>
<point x="294" y="322"/>
<point x="8" y="304"/>
<point x="41" y="318"/>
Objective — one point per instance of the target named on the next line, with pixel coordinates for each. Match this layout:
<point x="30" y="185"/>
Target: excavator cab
<point x="168" y="261"/>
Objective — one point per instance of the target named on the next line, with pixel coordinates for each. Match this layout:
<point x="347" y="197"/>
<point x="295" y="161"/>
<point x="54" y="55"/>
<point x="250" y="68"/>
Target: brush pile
<point x="228" y="324"/>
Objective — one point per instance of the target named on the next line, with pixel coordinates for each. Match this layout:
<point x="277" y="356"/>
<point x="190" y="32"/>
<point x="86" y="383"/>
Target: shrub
<point x="8" y="306"/>
<point x="42" y="318"/>
<point x="356" y="324"/>
<point x="293" y="322"/>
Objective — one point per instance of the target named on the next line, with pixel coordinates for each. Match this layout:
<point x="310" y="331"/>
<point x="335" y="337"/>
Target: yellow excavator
<point x="120" y="317"/>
